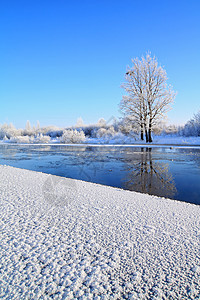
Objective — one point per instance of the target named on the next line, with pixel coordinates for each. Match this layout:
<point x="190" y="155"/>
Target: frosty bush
<point x="172" y="130"/>
<point x="52" y="131"/>
<point x="72" y="136"/>
<point x="40" y="138"/>
<point x="5" y="139"/>
<point x="106" y="133"/>
<point x="20" y="139"/>
<point x="128" y="126"/>
<point x="29" y="139"/>
<point x="8" y="131"/>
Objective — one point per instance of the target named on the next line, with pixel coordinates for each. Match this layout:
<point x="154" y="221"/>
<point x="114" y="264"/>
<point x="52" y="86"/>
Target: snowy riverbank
<point x="69" y="239"/>
<point x="168" y="140"/>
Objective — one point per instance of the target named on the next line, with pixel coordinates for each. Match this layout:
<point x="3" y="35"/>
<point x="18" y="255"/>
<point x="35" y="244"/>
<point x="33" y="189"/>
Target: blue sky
<point x="61" y="60"/>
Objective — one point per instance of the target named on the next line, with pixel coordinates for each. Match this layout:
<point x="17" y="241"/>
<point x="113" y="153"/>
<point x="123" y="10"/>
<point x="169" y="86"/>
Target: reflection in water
<point x="7" y="152"/>
<point x="147" y="176"/>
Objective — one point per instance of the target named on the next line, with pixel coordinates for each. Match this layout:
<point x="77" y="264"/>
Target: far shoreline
<point x="106" y="145"/>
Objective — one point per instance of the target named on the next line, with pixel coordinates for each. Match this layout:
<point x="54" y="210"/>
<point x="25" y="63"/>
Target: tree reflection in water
<point x="147" y="176"/>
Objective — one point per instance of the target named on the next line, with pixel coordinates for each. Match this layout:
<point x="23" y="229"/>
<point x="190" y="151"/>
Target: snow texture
<point x="69" y="239"/>
<point x="170" y="140"/>
<point x="74" y="137"/>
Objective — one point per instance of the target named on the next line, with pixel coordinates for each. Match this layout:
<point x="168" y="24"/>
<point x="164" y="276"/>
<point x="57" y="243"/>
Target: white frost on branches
<point x="192" y="127"/>
<point x="149" y="97"/>
<point x="72" y="136"/>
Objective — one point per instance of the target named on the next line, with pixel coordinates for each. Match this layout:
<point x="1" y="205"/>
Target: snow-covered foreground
<point x="68" y="239"/>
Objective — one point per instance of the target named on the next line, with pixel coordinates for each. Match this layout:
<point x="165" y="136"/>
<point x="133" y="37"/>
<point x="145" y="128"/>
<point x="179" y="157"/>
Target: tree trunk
<point x="141" y="133"/>
<point x="146" y="133"/>
<point x="150" y="125"/>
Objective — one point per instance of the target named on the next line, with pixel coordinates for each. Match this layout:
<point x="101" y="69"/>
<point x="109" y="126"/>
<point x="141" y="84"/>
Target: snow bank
<point x="176" y="140"/>
<point x="74" y="136"/>
<point x="157" y="140"/>
<point x="68" y="239"/>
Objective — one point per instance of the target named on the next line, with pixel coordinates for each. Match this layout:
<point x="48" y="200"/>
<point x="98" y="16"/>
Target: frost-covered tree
<point x="28" y="129"/>
<point x="149" y="97"/>
<point x="28" y="125"/>
<point x="79" y="122"/>
<point x="38" y="125"/>
<point x="101" y="122"/>
<point x="192" y="127"/>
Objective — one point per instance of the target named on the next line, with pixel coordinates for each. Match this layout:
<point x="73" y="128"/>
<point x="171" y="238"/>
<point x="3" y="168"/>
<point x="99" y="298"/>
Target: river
<point x="172" y="172"/>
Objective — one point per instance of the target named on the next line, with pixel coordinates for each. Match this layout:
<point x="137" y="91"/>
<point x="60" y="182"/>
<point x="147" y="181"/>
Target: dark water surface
<point x="162" y="171"/>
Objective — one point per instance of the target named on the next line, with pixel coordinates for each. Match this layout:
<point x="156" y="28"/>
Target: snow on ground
<point x="68" y="239"/>
<point x="176" y="140"/>
<point x="157" y="140"/>
<point x="116" y="140"/>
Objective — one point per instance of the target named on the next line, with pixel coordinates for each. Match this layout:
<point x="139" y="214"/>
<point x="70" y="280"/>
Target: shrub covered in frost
<point x="128" y="126"/>
<point x="8" y="131"/>
<point x="72" y="136"/>
<point x="172" y="130"/>
<point x="40" y="138"/>
<point x="106" y="133"/>
<point x="20" y="139"/>
<point x="5" y="139"/>
<point x="52" y="131"/>
<point x="111" y="136"/>
<point x="29" y="139"/>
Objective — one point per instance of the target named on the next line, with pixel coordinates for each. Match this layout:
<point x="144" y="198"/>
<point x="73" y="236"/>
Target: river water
<point x="172" y="172"/>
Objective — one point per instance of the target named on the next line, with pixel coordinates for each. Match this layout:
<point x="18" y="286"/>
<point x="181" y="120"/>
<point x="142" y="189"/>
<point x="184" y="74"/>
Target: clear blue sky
<point x="60" y="60"/>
